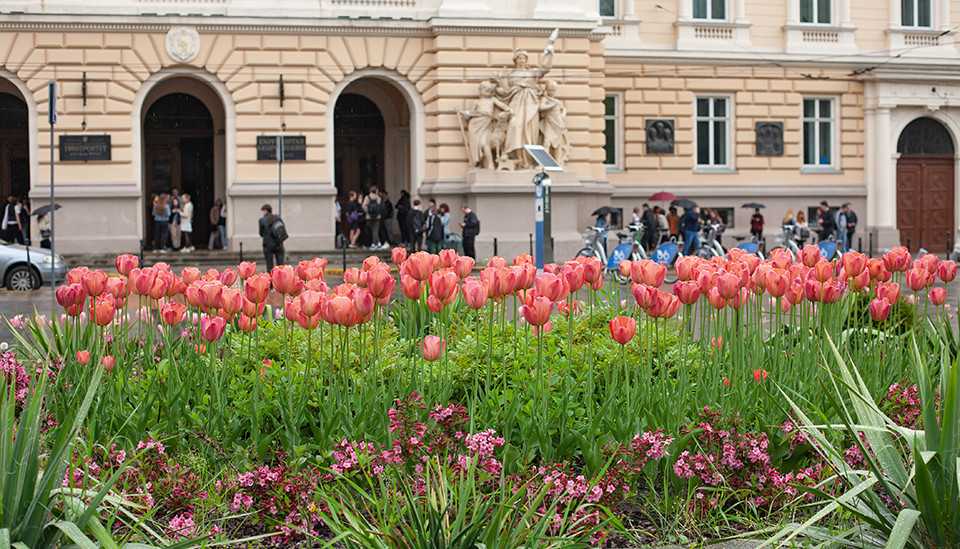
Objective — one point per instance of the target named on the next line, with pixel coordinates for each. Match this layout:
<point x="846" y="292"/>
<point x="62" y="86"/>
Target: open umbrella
<point x="663" y="196"/>
<point x="45" y="209"/>
<point x="753" y="205"/>
<point x="684" y="203"/>
<point x="603" y="210"/>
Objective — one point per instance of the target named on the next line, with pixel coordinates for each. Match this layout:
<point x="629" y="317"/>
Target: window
<point x="607" y="8"/>
<point x="713" y="125"/>
<point x="726" y="215"/>
<point x="815" y="11"/>
<point x="611" y="130"/>
<point x="915" y="13"/>
<point x="818" y="132"/>
<point x="710" y="9"/>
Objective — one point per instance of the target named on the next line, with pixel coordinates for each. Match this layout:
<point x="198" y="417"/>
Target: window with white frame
<point x="607" y="8"/>
<point x="816" y="12"/>
<point x="714" y="10"/>
<point x="713" y="131"/>
<point x="916" y="13"/>
<point x="611" y="130"/>
<point x="818" y="132"/>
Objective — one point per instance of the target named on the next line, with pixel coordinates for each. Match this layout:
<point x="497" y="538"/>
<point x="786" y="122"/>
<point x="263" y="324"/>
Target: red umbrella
<point x="663" y="196"/>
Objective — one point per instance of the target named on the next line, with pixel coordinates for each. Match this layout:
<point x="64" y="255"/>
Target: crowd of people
<point x="372" y="221"/>
<point x="173" y="218"/>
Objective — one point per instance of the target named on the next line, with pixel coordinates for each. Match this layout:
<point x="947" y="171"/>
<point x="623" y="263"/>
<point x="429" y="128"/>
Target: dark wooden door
<point x="925" y="213"/>
<point x="358" y="164"/>
<point x="14" y="166"/>
<point x="185" y="163"/>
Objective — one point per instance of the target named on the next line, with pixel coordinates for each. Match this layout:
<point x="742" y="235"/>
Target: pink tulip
<point x="622" y="329"/>
<point x="212" y="327"/>
<point x="938" y="296"/>
<point x="432" y="347"/>
<point x="879" y="310"/>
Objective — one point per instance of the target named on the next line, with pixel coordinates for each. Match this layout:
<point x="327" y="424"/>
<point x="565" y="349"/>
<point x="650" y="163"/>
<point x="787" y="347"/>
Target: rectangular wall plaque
<point x="294" y="147"/>
<point x="78" y="148"/>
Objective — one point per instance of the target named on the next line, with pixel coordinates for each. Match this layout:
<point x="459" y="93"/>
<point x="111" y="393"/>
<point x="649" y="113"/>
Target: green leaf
<point x="74" y="534"/>
<point x="928" y="503"/>
<point x="902" y="529"/>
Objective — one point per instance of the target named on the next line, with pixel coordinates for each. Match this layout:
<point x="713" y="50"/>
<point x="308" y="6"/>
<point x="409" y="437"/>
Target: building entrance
<point x="358" y="150"/>
<point x="925" y="186"/>
<point x="179" y="155"/>
<point x="14" y="147"/>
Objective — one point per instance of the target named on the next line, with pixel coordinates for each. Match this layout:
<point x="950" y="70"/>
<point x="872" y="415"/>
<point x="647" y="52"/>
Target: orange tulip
<point x="94" y="282"/>
<point x="728" y="285"/>
<point x="291" y="308"/>
<point x="622" y="329"/>
<point x="716" y="342"/>
<point x="104" y="311"/>
<point x="231" y="301"/>
<point x="126" y="263"/>
<point x="929" y="262"/>
<point x="653" y="273"/>
<point x="888" y="290"/>
<point x="687" y="291"/>
<point x="212" y="327"/>
<point x="246" y="269"/>
<point x="342" y="310"/>
<point x="897" y="259"/>
<point x="810" y="255"/>
<point x="781" y="258"/>
<point x="823" y="271"/>
<point x="67" y="295"/>
<point x="463" y="266"/>
<point x="172" y="313"/>
<point x="432" y="347"/>
<point x="573" y="274"/>
<point x="284" y="279"/>
<point x="739" y="300"/>
<point x="308" y="322"/>
<point x="813" y="290"/>
<point x="435" y="305"/>
<point x="256" y="288"/>
<point x="410" y="287"/>
<point x="246" y="323"/>
<point x="252" y="309"/>
<point x="310" y="303"/>
<point x="831" y="292"/>
<point x="83" y="357"/>
<point x="879" y="310"/>
<point x="420" y="265"/>
<point x="497" y="262"/>
<point x="189" y="275"/>
<point x="524" y="259"/>
<point x="192" y="293"/>
<point x="760" y="375"/>
<point x="444" y="285"/>
<point x="209" y="293"/>
<point x="938" y="296"/>
<point x="684" y="267"/>
<point x="550" y="286"/>
<point x="398" y="255"/>
<point x="854" y="263"/>
<point x="537" y="313"/>
<point x="861" y="281"/>
<point x="716" y="301"/>
<point x="108" y="362"/>
<point x="777" y="283"/>
<point x="159" y="287"/>
<point x="117" y="287"/>
<point x="351" y="276"/>
<point x="447" y="258"/>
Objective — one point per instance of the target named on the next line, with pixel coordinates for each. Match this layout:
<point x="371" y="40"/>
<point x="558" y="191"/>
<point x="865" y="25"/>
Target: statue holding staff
<point x="484" y="135"/>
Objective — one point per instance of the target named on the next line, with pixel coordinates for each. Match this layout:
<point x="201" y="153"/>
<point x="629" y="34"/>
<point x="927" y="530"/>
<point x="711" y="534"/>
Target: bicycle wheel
<point x="590" y="252"/>
<point x="705" y="252"/>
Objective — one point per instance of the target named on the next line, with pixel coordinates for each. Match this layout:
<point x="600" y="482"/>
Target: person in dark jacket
<point x="690" y="227"/>
<point x="403" y="208"/>
<point x="433" y="228"/>
<point x="471" y="228"/>
<point x="650" y="226"/>
<point x="271" y="247"/>
<point x="387" y="235"/>
<point x="415" y="219"/>
<point x="827" y="220"/>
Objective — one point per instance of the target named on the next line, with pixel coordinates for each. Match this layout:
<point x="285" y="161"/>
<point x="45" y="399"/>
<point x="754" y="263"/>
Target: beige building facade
<point x="720" y="101"/>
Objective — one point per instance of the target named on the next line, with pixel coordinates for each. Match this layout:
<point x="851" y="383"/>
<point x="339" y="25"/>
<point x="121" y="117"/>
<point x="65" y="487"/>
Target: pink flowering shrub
<point x="902" y="404"/>
<point x="729" y="468"/>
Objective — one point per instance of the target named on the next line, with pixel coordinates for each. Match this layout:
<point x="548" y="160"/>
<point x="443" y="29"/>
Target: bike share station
<point x="541" y="194"/>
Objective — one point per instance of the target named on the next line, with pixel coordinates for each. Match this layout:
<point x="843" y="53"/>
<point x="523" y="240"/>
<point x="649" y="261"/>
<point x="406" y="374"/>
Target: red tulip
<point x="94" y="282"/>
<point x="284" y="279"/>
<point x="564" y="308"/>
<point x="83" y="357"/>
<point x="645" y="296"/>
<point x="889" y="291"/>
<point x="917" y="279"/>
<point x="435" y="305"/>
<point x="410" y="287"/>
<point x="716" y="342"/>
<point x="879" y="310"/>
<point x="246" y="323"/>
<point x="420" y="265"/>
<point x="172" y="313"/>
<point x="537" y="313"/>
<point x="432" y="347"/>
<point x="104" y="311"/>
<point x="108" y="362"/>
<point x="231" y="301"/>
<point x="760" y="375"/>
<point x="622" y="329"/>
<point x="947" y="270"/>
<point x="810" y="255"/>
<point x="256" y="288"/>
<point x="126" y="263"/>
<point x="688" y="291"/>
<point x="475" y="293"/>
<point x="212" y="327"/>
<point x="67" y="295"/>
<point x="398" y="255"/>
<point x="738" y="301"/>
<point x="938" y="296"/>
<point x="444" y="285"/>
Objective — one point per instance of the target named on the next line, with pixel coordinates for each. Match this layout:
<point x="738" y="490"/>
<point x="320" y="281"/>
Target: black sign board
<point x="76" y="148"/>
<point x="294" y="147"/>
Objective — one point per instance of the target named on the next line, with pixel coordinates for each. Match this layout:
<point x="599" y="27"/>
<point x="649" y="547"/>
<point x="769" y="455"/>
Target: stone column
<point x="685" y="11"/>
<point x="793" y="12"/>
<point x="844" y="14"/>
<point x="885" y="176"/>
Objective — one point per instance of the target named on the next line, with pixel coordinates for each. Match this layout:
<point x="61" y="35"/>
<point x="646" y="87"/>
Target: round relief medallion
<point x="183" y="44"/>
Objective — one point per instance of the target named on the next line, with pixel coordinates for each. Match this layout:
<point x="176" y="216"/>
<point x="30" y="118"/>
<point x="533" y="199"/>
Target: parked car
<point x="17" y="272"/>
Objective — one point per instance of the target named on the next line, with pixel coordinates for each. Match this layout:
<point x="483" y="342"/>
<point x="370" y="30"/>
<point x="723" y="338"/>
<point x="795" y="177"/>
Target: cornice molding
<point x="768" y="59"/>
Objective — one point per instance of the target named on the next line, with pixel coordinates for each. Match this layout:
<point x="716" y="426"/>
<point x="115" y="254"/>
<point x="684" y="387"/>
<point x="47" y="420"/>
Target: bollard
<point x="949" y="243"/>
<point x="241" y="252"/>
<point x="871" y="246"/>
<point x="495" y="246"/>
<point x="531" y="244"/>
<point x="859" y="243"/>
<point x="141" y="252"/>
<point x="909" y="247"/>
<point x="344" y="251"/>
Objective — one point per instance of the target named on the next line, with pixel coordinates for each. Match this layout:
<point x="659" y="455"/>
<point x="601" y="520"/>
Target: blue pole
<point x="538" y="217"/>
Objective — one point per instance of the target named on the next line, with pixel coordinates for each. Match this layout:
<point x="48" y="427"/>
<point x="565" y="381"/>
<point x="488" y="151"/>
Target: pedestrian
<point x="186" y="223"/>
<point x="827" y="221"/>
<point x="635" y="218"/>
<point x="663" y="225"/>
<point x="222" y="224"/>
<point x="43" y="224"/>
<point x="471" y="228"/>
<point x="415" y="218"/>
<point x="387" y="234"/>
<point x="25" y="220"/>
<point x="175" y="213"/>
<point x="215" y="223"/>
<point x="11" y="220"/>
<point x="690" y="225"/>
<point x="272" y="236"/>
<point x="372" y="207"/>
<point x="433" y="228"/>
<point x="649" y="221"/>
<point x="161" y="222"/>
<point x="674" y="220"/>
<point x="851" y="226"/>
<point x="445" y="219"/>
<point x="403" y="210"/>
<point x="756" y="225"/>
<point x="355" y="218"/>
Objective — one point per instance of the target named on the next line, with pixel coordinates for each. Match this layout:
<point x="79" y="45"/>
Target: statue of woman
<point x="553" y="126"/>
<point x="518" y="88"/>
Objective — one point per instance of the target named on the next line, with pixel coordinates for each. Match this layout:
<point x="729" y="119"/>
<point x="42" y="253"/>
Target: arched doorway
<point x="925" y="185"/>
<point x="371" y="122"/>
<point x="14" y="147"/>
<point x="183" y="149"/>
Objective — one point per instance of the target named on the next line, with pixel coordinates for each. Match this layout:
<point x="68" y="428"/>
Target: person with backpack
<point x="434" y="229"/>
<point x="387" y="234"/>
<point x="403" y="210"/>
<point x="373" y="207"/>
<point x="850" y="226"/>
<point x="471" y="228"/>
<point x="415" y="220"/>
<point x="273" y="232"/>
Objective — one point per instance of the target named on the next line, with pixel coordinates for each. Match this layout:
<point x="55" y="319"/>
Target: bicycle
<point x="751" y="246"/>
<point x="628" y="248"/>
<point x="787" y="240"/>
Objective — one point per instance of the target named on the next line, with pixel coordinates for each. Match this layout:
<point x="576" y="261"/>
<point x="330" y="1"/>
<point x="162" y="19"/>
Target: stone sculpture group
<point x="513" y="110"/>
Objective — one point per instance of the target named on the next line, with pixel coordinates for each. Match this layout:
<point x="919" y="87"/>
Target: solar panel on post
<point x="543" y="158"/>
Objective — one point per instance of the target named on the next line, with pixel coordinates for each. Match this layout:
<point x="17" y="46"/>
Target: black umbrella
<point x="604" y="210"/>
<point x="45" y="209"/>
<point x="684" y="203"/>
<point x="754" y="205"/>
